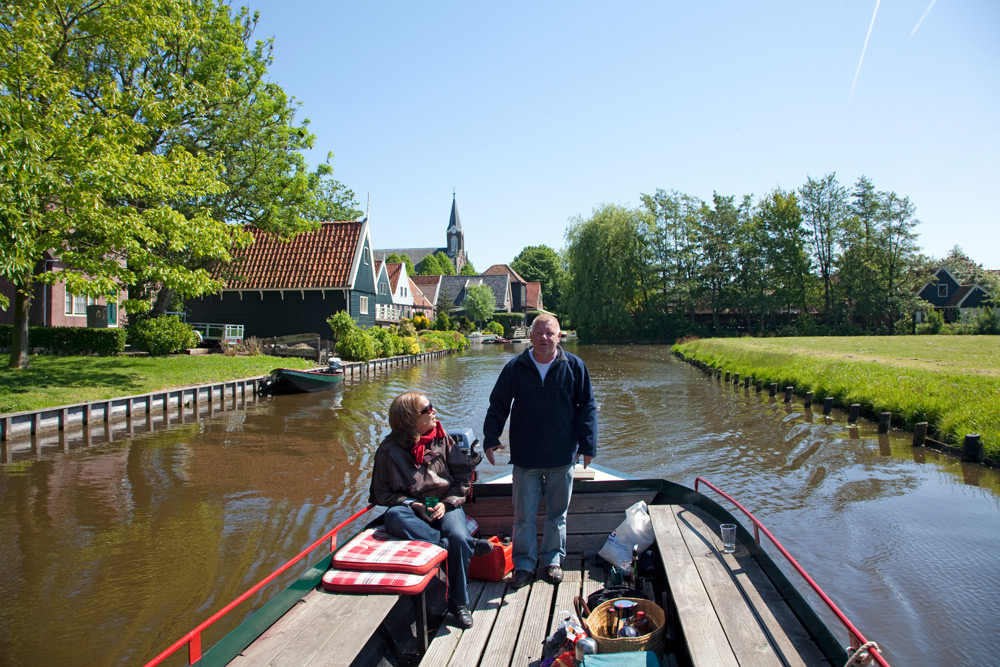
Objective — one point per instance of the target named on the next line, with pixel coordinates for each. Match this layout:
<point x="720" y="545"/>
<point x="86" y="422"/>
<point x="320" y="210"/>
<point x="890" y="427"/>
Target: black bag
<point x="612" y="592"/>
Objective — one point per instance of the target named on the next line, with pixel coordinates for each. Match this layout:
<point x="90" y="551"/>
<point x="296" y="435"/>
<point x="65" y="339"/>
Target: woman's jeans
<point x="528" y="487"/>
<point x="450" y="532"/>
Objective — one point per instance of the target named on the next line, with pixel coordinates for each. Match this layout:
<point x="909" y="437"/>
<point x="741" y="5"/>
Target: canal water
<point x="111" y="550"/>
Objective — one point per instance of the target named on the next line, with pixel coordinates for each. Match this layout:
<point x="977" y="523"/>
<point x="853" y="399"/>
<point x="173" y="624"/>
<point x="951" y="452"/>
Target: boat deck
<point x="722" y="609"/>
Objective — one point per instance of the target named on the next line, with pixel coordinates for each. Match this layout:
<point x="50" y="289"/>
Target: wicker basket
<point x="603" y="632"/>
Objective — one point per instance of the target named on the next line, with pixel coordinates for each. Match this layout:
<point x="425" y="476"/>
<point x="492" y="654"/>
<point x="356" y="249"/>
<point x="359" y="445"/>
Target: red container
<point x="494" y="565"/>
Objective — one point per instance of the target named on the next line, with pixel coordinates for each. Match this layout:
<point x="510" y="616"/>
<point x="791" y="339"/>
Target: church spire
<point x="454" y="222"/>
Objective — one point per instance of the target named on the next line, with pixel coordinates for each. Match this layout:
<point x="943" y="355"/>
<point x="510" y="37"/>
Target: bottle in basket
<point x="628" y="630"/>
<point x="642" y="624"/>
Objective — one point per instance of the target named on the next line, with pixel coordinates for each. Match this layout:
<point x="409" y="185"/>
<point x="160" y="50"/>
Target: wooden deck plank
<point x="284" y="630"/>
<point x="472" y="642"/>
<point x="703" y="631"/>
<point x="528" y="649"/>
<point x="565" y="593"/>
<point x="790" y="639"/>
<point x="743" y="629"/>
<point x="446" y="638"/>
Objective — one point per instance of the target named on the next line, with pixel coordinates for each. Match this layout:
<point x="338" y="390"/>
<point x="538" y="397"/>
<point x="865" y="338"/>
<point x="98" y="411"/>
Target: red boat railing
<point x="193" y="638"/>
<point x="857" y="639"/>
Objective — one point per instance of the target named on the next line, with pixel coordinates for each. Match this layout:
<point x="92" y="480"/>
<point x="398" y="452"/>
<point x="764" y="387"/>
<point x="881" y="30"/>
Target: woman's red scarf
<point x="424" y="440"/>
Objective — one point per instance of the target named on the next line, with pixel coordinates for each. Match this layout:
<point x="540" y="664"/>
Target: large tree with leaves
<point x="479" y="302"/>
<point x="606" y="263"/>
<point x="542" y="264"/>
<point x="74" y="159"/>
<point x="825" y="209"/>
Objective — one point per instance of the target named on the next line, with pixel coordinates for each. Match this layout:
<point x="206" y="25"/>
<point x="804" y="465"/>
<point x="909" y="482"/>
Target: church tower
<point x="456" y="238"/>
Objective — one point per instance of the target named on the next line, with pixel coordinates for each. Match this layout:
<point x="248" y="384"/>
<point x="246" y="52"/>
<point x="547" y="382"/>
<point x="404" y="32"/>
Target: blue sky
<point x="535" y="113"/>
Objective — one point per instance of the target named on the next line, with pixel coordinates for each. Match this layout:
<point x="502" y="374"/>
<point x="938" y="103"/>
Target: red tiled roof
<point x="393" y="269"/>
<point x="534" y="295"/>
<point x="503" y="269"/>
<point x="419" y="300"/>
<point x="320" y="259"/>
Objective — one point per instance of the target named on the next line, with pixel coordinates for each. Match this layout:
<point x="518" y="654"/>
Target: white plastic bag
<point x="636" y="529"/>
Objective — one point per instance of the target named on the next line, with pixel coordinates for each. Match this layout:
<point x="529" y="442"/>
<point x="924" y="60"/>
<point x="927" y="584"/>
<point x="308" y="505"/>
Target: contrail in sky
<point x="865" y="48"/>
<point x="926" y="12"/>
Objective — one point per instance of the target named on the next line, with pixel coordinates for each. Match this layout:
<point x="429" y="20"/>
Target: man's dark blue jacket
<point x="550" y="421"/>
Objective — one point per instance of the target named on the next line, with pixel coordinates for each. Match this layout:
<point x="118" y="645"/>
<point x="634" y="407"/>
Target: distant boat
<point x="290" y="381"/>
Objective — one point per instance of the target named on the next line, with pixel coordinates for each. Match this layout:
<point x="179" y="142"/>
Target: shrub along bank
<point x="952" y="383"/>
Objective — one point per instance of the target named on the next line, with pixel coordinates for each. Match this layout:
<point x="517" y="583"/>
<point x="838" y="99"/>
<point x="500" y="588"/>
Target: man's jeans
<point x="450" y="532"/>
<point x="528" y="486"/>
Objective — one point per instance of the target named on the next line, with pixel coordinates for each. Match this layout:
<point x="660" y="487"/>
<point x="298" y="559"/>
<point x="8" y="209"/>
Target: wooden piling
<point x="809" y="399"/>
<point x="788" y="394"/>
<point x="727" y="377"/>
<point x="919" y="434"/>
<point x="884" y="420"/>
<point x="760" y="385"/>
<point x="773" y="390"/>
<point x="852" y="416"/>
<point x="972" y="448"/>
<point x="736" y="379"/>
<point x="828" y="405"/>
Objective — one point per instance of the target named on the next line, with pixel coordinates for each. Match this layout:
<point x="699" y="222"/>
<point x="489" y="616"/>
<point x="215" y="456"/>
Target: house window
<point x="77" y="304"/>
<point x="363" y="305"/>
<point x="942" y="290"/>
<point x="112" y="311"/>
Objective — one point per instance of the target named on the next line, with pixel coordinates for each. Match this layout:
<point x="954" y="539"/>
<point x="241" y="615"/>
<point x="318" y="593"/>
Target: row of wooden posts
<point x="971" y="450"/>
<point x="194" y="398"/>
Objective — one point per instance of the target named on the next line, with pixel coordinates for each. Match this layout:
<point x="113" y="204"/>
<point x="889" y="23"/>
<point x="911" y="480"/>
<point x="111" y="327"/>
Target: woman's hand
<point x="429" y="515"/>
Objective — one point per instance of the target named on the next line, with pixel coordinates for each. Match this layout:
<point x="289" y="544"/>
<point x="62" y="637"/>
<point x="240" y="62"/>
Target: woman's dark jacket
<point x="445" y="473"/>
<point x="551" y="421"/>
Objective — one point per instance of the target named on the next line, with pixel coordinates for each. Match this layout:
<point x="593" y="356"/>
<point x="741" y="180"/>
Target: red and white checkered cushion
<point x="396" y="583"/>
<point x="377" y="551"/>
<point x="472" y="525"/>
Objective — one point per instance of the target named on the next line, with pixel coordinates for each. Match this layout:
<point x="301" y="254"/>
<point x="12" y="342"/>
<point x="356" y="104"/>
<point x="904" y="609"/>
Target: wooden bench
<point x="725" y="625"/>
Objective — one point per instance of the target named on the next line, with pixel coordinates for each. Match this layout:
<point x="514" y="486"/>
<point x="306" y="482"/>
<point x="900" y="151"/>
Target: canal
<point x="111" y="550"/>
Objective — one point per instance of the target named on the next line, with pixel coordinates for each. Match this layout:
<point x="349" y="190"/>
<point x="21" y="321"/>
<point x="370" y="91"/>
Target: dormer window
<point x="942" y="290"/>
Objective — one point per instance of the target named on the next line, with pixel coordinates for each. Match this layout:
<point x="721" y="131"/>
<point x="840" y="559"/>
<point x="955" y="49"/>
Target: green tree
<point x="468" y="270"/>
<point x="824" y="207"/>
<point x="342" y="324"/>
<point x="542" y="264"/>
<point x="78" y="172"/>
<point x="674" y="247"/>
<point x="718" y="229"/>
<point x="330" y="199"/>
<point x="479" y="302"/>
<point x="787" y="262"/>
<point x="967" y="271"/>
<point x="604" y="254"/>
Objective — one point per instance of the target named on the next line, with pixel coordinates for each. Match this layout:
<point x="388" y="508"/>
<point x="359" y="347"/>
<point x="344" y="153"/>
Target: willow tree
<point x="607" y="270"/>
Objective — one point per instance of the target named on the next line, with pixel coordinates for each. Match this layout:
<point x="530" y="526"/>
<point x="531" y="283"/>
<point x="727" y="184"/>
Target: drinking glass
<point x="728" y="537"/>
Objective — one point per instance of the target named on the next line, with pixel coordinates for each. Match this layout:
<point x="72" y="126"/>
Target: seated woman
<point x="418" y="460"/>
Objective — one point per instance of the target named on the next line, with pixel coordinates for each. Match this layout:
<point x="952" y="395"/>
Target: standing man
<point x="553" y="422"/>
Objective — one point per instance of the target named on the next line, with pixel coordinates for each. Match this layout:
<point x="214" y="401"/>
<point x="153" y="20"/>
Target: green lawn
<point x="51" y="381"/>
<point x="951" y="382"/>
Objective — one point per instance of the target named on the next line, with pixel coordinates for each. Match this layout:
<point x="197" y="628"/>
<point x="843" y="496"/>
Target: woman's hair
<point x="403" y="414"/>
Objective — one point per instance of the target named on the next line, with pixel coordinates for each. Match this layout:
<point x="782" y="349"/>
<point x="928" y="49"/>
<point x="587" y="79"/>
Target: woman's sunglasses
<point x="430" y="406"/>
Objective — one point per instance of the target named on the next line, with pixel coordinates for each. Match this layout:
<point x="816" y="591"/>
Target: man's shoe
<point x="463" y="618"/>
<point x="554" y="574"/>
<point x="482" y="548"/>
<point x="521" y="578"/>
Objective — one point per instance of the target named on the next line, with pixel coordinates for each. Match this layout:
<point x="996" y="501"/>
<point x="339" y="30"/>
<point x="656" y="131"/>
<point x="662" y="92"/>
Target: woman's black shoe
<point x="463" y="618"/>
<point x="482" y="548"/>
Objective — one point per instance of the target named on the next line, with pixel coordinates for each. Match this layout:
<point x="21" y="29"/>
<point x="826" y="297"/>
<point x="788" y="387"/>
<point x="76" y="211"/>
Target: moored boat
<point x="719" y="608"/>
<point x="291" y="381"/>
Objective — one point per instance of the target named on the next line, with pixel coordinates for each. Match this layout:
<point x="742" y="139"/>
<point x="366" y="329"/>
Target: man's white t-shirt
<point x="542" y="368"/>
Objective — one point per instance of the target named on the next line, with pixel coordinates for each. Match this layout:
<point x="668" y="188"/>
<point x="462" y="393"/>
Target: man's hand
<point x="587" y="460"/>
<point x="489" y="454"/>
<point x="429" y="515"/>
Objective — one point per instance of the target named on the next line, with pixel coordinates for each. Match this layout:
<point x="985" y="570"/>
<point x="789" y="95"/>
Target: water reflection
<point x="148" y="527"/>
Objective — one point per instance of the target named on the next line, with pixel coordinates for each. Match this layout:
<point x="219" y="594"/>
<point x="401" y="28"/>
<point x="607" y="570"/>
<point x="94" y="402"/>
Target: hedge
<point x="69" y="340"/>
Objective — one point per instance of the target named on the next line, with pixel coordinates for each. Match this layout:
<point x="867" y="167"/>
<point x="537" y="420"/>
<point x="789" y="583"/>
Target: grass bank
<point x="950" y="382"/>
<point x="51" y="381"/>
